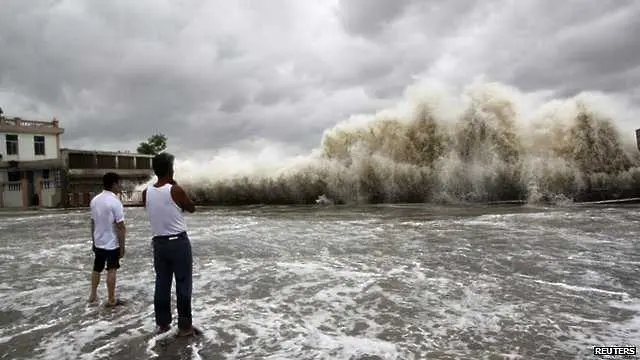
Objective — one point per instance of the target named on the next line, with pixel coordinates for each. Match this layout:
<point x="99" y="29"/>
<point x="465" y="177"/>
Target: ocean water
<point x="366" y="282"/>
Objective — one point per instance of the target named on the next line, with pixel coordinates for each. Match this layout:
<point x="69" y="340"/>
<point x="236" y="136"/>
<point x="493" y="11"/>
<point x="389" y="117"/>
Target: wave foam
<point x="489" y="143"/>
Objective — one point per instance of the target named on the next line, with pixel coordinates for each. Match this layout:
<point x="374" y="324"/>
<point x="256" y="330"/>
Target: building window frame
<point x="14" y="176"/>
<point x="11" y="143"/>
<point x="39" y="147"/>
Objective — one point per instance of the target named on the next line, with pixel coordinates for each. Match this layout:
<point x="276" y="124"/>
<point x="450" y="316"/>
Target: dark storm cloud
<point x="372" y="18"/>
<point x="210" y="74"/>
<point x="592" y="48"/>
<point x="368" y="17"/>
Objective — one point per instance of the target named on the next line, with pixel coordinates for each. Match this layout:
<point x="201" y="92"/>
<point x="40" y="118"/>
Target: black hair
<point x="162" y="164"/>
<point x="109" y="179"/>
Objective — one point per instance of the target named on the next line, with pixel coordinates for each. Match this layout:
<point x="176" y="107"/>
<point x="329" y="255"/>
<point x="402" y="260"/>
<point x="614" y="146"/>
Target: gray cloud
<point x="369" y="17"/>
<point x="592" y="50"/>
<point x="211" y="74"/>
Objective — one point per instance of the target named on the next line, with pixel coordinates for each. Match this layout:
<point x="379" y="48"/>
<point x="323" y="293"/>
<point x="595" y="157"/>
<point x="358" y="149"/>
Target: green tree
<point x="154" y="145"/>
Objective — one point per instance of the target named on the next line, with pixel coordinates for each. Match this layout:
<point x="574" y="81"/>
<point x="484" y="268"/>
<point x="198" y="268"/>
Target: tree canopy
<point x="154" y="145"/>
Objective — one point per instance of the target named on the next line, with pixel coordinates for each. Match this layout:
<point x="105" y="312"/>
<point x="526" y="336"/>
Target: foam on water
<point x="366" y="283"/>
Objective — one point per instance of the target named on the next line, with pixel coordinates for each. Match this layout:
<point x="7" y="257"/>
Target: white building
<point x="29" y="163"/>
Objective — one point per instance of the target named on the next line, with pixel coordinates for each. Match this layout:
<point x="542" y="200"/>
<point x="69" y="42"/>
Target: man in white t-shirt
<point x="108" y="235"/>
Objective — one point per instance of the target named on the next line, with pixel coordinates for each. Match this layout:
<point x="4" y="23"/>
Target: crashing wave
<point x="479" y="147"/>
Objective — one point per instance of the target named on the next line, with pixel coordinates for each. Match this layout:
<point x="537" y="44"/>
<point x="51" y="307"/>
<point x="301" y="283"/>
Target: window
<point x="45" y="174"/>
<point x="14" y="176"/>
<point x="12" y="144"/>
<point x="38" y="144"/>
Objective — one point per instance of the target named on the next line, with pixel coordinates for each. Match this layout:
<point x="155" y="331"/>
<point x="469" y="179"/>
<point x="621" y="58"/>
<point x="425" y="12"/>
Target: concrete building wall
<point x="46" y="189"/>
<point x="71" y="178"/>
<point x="12" y="195"/>
<point x="50" y="196"/>
<point x="33" y="164"/>
<point x="26" y="147"/>
<point x="83" y="171"/>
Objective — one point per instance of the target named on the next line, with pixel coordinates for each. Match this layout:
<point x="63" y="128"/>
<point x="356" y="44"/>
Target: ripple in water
<point x="359" y="283"/>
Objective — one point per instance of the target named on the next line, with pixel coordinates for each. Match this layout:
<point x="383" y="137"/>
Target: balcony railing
<point x="18" y="122"/>
<point x="13" y="186"/>
<point x="83" y="198"/>
<point x="82" y="161"/>
<point x="131" y="197"/>
<point x="48" y="184"/>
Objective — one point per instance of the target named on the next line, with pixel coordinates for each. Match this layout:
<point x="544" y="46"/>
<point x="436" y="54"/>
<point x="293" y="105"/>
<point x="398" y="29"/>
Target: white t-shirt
<point x="106" y="211"/>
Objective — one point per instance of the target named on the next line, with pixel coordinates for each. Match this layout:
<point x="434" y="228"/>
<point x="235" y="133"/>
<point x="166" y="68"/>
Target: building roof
<point x="19" y="125"/>
<point x="103" y="152"/>
<point x="31" y="165"/>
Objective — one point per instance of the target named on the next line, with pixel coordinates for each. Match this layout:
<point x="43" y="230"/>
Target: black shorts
<point x="110" y="257"/>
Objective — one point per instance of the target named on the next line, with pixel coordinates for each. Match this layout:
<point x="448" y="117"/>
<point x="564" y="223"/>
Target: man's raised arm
<point x="182" y="199"/>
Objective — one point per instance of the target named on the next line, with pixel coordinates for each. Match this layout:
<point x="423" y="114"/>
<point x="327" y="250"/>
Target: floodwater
<point x="376" y="282"/>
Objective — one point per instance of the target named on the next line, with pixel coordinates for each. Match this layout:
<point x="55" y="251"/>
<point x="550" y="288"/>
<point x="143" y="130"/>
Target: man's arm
<point x="93" y="237"/>
<point x="180" y="197"/>
<point x="121" y="229"/>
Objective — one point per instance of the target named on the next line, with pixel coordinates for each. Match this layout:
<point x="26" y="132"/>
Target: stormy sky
<point x="221" y="74"/>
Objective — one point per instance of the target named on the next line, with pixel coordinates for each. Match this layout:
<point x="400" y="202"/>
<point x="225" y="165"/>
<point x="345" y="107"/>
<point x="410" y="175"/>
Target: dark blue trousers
<point x="172" y="257"/>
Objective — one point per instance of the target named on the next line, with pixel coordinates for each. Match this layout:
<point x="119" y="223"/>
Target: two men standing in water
<point x="165" y="202"/>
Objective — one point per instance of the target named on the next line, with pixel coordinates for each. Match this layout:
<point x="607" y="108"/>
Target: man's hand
<point x="121" y="252"/>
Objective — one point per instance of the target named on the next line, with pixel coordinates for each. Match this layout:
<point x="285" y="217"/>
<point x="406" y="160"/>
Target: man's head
<point x="111" y="182"/>
<point x="163" y="165"/>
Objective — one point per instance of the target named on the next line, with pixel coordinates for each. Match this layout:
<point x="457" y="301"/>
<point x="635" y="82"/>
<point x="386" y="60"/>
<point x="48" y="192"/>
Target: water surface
<point x="376" y="282"/>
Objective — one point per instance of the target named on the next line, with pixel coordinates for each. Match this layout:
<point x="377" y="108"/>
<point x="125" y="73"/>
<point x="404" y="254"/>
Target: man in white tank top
<point x="165" y="202"/>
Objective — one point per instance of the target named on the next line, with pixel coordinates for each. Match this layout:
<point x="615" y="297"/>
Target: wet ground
<point x="385" y="282"/>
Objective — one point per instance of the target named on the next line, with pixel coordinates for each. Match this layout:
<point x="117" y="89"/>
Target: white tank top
<point x="165" y="215"/>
